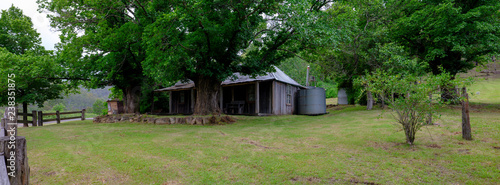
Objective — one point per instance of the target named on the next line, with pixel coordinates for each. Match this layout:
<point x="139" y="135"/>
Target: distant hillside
<point x="83" y="100"/>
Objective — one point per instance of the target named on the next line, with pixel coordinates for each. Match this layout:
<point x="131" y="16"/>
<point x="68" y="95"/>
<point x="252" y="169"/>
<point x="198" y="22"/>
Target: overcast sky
<point x="40" y="21"/>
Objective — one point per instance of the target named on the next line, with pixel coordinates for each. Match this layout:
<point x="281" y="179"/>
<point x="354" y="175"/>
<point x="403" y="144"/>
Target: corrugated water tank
<point x="312" y="101"/>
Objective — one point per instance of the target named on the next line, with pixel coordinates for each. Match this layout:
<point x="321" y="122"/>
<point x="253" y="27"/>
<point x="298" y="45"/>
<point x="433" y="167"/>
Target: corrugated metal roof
<point x="278" y="75"/>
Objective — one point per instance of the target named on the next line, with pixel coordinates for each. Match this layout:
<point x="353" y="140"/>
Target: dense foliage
<point x="207" y="41"/>
<point x="37" y="75"/>
<point x="296" y="68"/>
<point x="455" y="35"/>
<point x="100" y="107"/>
<point x="101" y="43"/>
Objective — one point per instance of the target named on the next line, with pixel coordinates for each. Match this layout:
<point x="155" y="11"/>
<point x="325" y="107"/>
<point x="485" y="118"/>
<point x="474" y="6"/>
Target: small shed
<point x="342" y="97"/>
<point x="115" y="106"/>
<point x="274" y="93"/>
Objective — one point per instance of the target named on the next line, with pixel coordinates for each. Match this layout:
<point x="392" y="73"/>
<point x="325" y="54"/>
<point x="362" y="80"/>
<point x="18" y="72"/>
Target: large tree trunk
<point x="369" y="103"/>
<point x="131" y="99"/>
<point x="207" y="96"/>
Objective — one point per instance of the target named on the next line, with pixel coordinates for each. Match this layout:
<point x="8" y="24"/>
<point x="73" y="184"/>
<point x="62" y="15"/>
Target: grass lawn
<point x="486" y="91"/>
<point x="333" y="101"/>
<point x="349" y="145"/>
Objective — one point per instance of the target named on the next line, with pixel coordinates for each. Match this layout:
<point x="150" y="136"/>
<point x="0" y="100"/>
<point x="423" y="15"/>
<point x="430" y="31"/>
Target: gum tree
<point x="37" y="75"/>
<point x="454" y="35"/>
<point x="101" y="43"/>
<point x="207" y="41"/>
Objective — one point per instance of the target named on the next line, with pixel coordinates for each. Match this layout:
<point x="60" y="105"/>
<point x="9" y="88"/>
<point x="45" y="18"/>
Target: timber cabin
<point x="272" y="94"/>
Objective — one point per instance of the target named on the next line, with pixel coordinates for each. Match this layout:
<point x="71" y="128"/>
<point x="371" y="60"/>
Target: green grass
<point x="486" y="91"/>
<point x="345" y="146"/>
<point x="333" y="101"/>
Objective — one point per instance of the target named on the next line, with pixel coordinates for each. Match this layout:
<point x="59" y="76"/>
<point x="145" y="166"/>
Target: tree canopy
<point x="208" y="41"/>
<point x="101" y="43"/>
<point x="17" y="34"/>
<point x="36" y="72"/>
<point x="452" y="34"/>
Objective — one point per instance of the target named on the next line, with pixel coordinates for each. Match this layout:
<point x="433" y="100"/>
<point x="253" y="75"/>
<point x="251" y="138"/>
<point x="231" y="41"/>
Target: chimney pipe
<point x="307" y="77"/>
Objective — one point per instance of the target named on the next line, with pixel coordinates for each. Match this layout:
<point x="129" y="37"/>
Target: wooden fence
<point x="37" y="117"/>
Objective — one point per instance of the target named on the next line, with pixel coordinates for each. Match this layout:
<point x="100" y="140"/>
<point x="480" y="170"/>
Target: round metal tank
<point x="312" y="101"/>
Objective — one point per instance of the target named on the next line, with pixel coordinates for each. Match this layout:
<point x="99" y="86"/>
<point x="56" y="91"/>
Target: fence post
<point x="429" y="120"/>
<point x="466" y="130"/>
<point x="83" y="114"/>
<point x="33" y="118"/>
<point x="40" y="118"/>
<point x="25" y="114"/>
<point x="58" y="117"/>
<point x="3" y="127"/>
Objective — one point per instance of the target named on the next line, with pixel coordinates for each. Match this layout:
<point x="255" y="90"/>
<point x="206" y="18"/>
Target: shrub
<point x="59" y="107"/>
<point x="412" y="106"/>
<point x="99" y="107"/>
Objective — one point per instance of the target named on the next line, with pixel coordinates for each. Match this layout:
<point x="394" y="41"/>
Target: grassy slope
<point x="486" y="91"/>
<point x="345" y="146"/>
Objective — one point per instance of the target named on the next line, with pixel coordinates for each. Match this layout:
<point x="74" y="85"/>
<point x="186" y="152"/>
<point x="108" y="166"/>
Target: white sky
<point x="40" y="21"/>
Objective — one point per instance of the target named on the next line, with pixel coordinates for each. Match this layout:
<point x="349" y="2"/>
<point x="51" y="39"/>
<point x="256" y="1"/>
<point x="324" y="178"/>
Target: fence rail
<point x="37" y="117"/>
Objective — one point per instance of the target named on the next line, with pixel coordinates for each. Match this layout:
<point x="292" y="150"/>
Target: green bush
<point x="59" y="107"/>
<point x="99" y="107"/>
<point x="330" y="89"/>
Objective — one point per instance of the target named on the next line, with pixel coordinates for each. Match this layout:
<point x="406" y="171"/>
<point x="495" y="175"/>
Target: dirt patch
<point x="71" y="137"/>
<point x="433" y="146"/>
<point x="255" y="143"/>
<point x="385" y="146"/>
<point x="465" y="151"/>
<point x="306" y="179"/>
<point x="171" y="183"/>
<point x="361" y="182"/>
<point x="49" y="173"/>
<point x="222" y="133"/>
<point x="350" y="181"/>
<point x="329" y="106"/>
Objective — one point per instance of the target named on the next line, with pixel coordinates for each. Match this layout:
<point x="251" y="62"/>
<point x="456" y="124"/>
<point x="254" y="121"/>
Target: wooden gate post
<point x="429" y="120"/>
<point x="466" y="130"/>
<point x="58" y="117"/>
<point x="40" y="118"/>
<point x="83" y="114"/>
<point x="17" y="164"/>
<point x="33" y="118"/>
<point x="3" y="127"/>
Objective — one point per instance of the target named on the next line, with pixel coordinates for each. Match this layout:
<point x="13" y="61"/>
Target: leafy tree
<point x="99" y="107"/>
<point x="17" y="34"/>
<point x="101" y="43"/>
<point x="59" y="107"/>
<point x="357" y="50"/>
<point x="451" y="34"/>
<point x="207" y="41"/>
<point x="36" y="72"/>
<point x="296" y="68"/>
